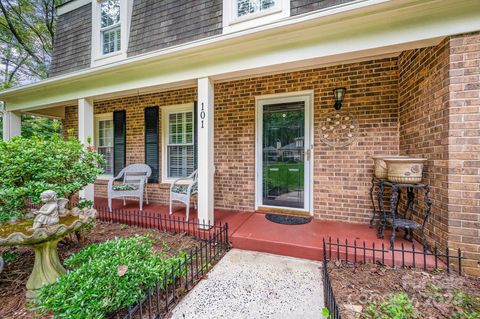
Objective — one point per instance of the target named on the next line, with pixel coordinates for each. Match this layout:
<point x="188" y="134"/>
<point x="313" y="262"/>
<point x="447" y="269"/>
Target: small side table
<point x="393" y="217"/>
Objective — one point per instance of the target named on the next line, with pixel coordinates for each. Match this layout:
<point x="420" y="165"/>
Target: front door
<point x="283" y="155"/>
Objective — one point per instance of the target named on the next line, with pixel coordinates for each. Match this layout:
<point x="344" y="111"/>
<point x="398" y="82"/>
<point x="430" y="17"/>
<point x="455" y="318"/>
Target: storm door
<point x="284" y="163"/>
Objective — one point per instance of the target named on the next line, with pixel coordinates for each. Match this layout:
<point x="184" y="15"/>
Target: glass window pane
<point x="105" y="144"/>
<point x="180" y="149"/>
<point x="110" y="13"/>
<point x="247" y="7"/>
<point x="111" y="40"/>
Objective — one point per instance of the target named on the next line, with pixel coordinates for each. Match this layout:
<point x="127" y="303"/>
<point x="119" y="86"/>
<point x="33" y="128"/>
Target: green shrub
<point x="95" y="289"/>
<point x="29" y="166"/>
<point x="398" y="306"/>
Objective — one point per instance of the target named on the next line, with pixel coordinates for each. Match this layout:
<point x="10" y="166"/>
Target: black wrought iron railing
<point x="328" y="295"/>
<point x="177" y="281"/>
<point x="403" y="256"/>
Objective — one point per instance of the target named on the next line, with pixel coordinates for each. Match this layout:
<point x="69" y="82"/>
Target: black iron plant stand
<point x="393" y="217"/>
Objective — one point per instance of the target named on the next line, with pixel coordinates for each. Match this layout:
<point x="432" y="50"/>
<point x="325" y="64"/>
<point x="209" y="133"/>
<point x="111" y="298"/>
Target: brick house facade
<point x="405" y="105"/>
<point x="411" y="70"/>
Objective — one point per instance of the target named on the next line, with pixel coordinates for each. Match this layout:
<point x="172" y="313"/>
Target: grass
<point x="283" y="180"/>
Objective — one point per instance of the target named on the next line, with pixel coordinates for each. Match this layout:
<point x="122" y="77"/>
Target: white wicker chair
<point x="182" y="192"/>
<point x="135" y="181"/>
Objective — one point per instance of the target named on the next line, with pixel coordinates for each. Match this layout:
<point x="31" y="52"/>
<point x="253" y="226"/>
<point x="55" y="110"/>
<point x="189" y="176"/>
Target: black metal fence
<point x="328" y="295"/>
<point x="363" y="254"/>
<point x="405" y="256"/>
<point x="202" y="230"/>
<point x="175" y="282"/>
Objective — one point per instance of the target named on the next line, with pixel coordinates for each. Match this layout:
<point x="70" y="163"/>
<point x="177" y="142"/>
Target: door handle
<point x="309" y="153"/>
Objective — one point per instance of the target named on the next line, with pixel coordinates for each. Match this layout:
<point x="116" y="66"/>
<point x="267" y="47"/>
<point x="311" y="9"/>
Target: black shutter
<point x="119" y="141"/>
<point x="151" y="142"/>
<point x="195" y="135"/>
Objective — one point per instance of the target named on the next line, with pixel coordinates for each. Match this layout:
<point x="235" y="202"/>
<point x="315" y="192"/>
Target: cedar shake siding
<point x="154" y="25"/>
<point x="304" y="6"/>
<point x="73" y="39"/>
<point x="160" y="24"/>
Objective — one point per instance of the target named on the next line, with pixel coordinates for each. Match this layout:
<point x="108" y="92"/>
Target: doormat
<point x="288" y="220"/>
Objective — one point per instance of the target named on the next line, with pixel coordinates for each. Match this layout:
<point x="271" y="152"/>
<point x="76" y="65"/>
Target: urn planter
<point x="380" y="168"/>
<point x="407" y="170"/>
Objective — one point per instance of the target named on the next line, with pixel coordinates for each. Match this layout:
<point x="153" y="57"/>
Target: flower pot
<point x="406" y="170"/>
<point x="381" y="167"/>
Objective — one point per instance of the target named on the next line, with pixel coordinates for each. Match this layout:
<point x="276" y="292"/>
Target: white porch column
<point x="86" y="132"/>
<point x="206" y="168"/>
<point x="12" y="125"/>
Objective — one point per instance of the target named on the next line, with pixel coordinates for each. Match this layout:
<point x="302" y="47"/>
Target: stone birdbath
<point x="43" y="240"/>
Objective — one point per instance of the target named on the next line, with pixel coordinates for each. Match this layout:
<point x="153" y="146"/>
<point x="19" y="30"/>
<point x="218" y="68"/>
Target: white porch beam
<point x="206" y="168"/>
<point x="12" y="125"/>
<point x="86" y="133"/>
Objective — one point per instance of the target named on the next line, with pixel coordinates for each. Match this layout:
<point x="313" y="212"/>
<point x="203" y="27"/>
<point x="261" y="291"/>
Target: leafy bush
<point x="29" y="166"/>
<point x="98" y="284"/>
<point x="398" y="306"/>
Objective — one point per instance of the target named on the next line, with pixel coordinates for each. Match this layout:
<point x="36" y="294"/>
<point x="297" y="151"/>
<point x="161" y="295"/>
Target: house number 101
<point x="202" y="114"/>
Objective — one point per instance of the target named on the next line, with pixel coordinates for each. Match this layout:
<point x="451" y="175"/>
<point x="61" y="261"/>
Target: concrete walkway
<point x="247" y="284"/>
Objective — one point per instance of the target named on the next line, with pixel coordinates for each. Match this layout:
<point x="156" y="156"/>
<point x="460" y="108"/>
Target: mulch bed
<point x="16" y="272"/>
<point x="431" y="293"/>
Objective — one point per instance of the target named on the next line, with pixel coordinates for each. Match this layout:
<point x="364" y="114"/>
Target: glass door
<point x="283" y="158"/>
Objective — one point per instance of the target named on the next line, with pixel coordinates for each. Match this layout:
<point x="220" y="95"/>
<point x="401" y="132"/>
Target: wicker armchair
<point x="135" y="181"/>
<point x="183" y="192"/>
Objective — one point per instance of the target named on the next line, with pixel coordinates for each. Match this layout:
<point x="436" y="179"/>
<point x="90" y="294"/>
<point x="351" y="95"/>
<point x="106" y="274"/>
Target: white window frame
<point x="97" y="56"/>
<point x="98" y="118"/>
<point x="166" y="111"/>
<point x="232" y="23"/>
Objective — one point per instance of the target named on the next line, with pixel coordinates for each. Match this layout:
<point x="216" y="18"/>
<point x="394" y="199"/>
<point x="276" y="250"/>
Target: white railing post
<point x="206" y="168"/>
<point x="86" y="132"/>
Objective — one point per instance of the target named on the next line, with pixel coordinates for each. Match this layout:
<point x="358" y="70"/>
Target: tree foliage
<point x="27" y="33"/>
<point x="29" y="166"/>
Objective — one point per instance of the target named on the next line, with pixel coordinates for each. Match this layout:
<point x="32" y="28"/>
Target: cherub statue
<point x="51" y="210"/>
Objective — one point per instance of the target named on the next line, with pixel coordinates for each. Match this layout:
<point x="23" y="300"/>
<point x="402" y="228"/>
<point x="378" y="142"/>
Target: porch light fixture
<point x="339" y="94"/>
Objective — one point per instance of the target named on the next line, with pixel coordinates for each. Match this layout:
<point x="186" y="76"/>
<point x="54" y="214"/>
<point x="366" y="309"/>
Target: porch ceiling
<point x="379" y="28"/>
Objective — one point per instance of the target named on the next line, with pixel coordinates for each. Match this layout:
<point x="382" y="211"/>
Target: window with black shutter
<point x="151" y="142"/>
<point x="119" y="140"/>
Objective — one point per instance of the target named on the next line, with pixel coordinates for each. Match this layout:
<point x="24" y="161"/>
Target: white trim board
<point x="308" y="98"/>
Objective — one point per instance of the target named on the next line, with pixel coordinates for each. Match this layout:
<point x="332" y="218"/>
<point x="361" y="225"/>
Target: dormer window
<point x="110" y="30"/>
<point x="110" y="26"/>
<point x="244" y="14"/>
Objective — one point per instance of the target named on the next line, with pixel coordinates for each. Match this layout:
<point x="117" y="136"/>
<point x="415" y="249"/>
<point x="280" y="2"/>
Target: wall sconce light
<point x="339" y="94"/>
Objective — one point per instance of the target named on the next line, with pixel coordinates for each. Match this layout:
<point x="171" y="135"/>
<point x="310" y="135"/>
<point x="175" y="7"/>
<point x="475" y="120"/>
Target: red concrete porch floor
<point x="252" y="231"/>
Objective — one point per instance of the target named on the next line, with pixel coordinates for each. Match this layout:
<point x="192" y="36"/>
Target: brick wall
<point x="342" y="175"/>
<point x="423" y="124"/>
<point x="464" y="149"/>
<point x="134" y="107"/>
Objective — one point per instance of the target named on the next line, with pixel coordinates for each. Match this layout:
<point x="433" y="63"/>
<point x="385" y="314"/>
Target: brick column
<point x="464" y="149"/>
